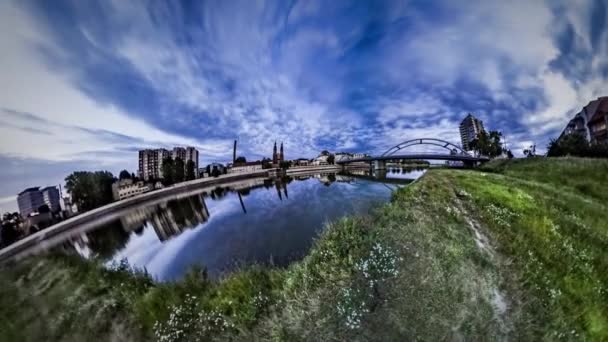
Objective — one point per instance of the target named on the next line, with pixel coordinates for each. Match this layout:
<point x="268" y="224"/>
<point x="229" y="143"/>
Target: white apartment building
<point x="151" y="162"/>
<point x="126" y="188"/>
<point x="245" y="167"/>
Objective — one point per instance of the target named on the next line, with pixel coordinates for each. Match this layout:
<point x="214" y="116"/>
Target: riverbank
<point x="514" y="251"/>
<point x="44" y="239"/>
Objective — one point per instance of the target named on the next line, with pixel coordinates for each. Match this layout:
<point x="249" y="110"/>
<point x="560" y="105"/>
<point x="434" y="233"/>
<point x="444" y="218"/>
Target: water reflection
<point x="268" y="221"/>
<point x="170" y="218"/>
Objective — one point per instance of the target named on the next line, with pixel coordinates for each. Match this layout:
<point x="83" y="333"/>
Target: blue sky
<point x="85" y="84"/>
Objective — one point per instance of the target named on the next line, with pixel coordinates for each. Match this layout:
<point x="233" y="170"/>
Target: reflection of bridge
<point x="455" y="153"/>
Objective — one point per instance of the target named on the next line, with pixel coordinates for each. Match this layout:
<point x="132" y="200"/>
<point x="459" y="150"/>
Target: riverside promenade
<point x="49" y="237"/>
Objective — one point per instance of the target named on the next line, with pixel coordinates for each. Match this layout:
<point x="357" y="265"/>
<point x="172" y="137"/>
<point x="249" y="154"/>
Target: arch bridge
<point x="395" y="153"/>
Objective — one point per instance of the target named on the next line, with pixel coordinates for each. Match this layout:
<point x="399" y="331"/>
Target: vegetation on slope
<point x="516" y="253"/>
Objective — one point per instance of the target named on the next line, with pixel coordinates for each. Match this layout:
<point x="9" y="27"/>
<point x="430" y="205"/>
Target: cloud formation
<point x="96" y="81"/>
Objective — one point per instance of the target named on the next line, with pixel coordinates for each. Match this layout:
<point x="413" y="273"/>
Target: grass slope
<point x="515" y="252"/>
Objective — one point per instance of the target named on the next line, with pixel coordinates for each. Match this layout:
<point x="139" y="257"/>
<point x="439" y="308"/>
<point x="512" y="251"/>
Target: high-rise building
<point x="51" y="197"/>
<point x="470" y="128"/>
<point x="151" y="162"/>
<point x="29" y="200"/>
<point x="591" y="122"/>
<point x="192" y="154"/>
<point x="179" y="152"/>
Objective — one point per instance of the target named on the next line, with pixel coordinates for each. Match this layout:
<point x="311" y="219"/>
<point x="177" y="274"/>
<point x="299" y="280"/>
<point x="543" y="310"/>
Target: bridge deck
<point x="451" y="157"/>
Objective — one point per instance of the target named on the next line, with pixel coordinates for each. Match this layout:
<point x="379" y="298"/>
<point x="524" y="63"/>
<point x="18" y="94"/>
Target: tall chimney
<point x="234" y="153"/>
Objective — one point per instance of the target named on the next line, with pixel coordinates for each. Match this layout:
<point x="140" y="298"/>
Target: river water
<point x="257" y="221"/>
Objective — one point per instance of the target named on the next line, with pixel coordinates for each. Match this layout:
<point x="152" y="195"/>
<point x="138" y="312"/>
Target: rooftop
<point x="35" y="188"/>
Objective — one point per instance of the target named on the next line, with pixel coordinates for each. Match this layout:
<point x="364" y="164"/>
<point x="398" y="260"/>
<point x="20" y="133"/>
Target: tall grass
<point x="514" y="252"/>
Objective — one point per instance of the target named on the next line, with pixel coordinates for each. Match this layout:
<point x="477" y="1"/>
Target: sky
<point x="85" y="84"/>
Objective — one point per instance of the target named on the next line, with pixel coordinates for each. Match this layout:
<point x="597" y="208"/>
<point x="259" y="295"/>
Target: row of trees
<point x="576" y="145"/>
<point x="9" y="231"/>
<point x="175" y="170"/>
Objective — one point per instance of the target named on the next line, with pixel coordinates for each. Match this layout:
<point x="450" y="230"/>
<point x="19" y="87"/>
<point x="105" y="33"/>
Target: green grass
<point x="516" y="251"/>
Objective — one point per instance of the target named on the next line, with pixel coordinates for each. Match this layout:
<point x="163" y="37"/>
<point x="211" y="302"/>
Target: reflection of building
<point x="248" y="184"/>
<point x="29" y="200"/>
<point x="280" y="185"/>
<point x="359" y="172"/>
<point x="344" y="178"/>
<point x="591" y="122"/>
<point x="470" y="128"/>
<point x="170" y="218"/>
<point x="125" y="188"/>
<point x="151" y="162"/>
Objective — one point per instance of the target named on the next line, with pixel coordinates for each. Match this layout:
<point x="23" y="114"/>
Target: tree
<point x="90" y="190"/>
<point x="325" y="153"/>
<point x="240" y="160"/>
<point x="124" y="174"/>
<point x="190" y="172"/>
<point x="488" y="144"/>
<point x="575" y="144"/>
<point x="168" y="171"/>
<point x="9" y="233"/>
<point x="43" y="209"/>
<point x="331" y="159"/>
<point x="530" y="152"/>
<point x="285" y="164"/>
<point x="509" y="154"/>
<point x="266" y="163"/>
<point x="179" y="170"/>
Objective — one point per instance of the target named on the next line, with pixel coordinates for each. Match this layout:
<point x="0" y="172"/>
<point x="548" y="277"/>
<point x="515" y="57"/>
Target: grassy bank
<point x="515" y="251"/>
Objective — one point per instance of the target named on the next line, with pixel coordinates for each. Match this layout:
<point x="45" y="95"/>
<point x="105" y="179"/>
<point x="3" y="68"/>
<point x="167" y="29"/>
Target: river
<point x="256" y="221"/>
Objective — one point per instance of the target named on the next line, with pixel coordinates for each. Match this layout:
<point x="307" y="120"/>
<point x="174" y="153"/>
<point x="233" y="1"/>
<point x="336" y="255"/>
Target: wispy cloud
<point x="106" y="78"/>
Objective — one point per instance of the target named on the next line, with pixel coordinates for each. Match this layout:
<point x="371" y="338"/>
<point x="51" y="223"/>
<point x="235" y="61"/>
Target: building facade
<point x="151" y="162"/>
<point x="277" y="157"/>
<point x="192" y="154"/>
<point x="51" y="197"/>
<point x="179" y="152"/>
<point x="127" y="188"/>
<point x="342" y="156"/>
<point x="29" y="200"/>
<point x="246" y="167"/>
<point x="591" y="122"/>
<point x="470" y="128"/>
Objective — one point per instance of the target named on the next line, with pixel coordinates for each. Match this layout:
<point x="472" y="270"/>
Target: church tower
<point x="281" y="156"/>
<point x="274" y="154"/>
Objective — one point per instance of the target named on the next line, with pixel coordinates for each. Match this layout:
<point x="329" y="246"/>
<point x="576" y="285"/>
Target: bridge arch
<point x="424" y="141"/>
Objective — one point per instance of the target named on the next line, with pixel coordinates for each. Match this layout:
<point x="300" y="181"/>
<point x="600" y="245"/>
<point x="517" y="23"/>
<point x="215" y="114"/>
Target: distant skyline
<point x="87" y="84"/>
